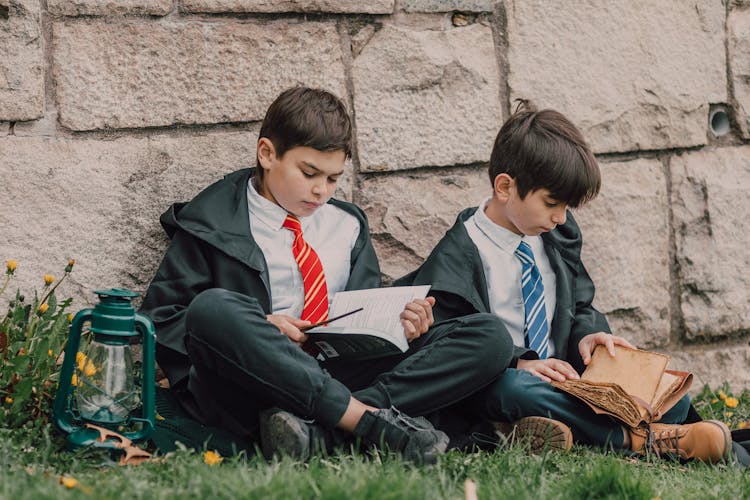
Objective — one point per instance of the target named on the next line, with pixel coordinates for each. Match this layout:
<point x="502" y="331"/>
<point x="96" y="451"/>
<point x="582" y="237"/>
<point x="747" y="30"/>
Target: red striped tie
<point x="315" y="307"/>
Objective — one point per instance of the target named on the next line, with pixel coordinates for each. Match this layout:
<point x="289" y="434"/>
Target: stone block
<point x="109" y="7"/>
<point x="448" y="5"/>
<point x="426" y="98"/>
<point x="739" y="65"/>
<point x="631" y="75"/>
<point x="405" y="226"/>
<point x="345" y="185"/>
<point x="714" y="365"/>
<point x="134" y="74"/>
<point x="268" y="6"/>
<point x="99" y="202"/>
<point x="21" y="64"/>
<point x="711" y="225"/>
<point x="626" y="250"/>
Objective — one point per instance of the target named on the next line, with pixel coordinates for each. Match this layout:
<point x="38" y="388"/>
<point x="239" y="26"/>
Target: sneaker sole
<point x="542" y="434"/>
<point x="282" y="435"/>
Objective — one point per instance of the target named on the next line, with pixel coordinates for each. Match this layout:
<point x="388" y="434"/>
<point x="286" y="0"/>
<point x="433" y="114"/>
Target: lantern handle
<point x="63" y="417"/>
<point x="148" y="381"/>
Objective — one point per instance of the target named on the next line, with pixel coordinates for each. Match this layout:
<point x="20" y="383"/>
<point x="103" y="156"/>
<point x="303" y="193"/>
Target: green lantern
<point x="98" y="385"/>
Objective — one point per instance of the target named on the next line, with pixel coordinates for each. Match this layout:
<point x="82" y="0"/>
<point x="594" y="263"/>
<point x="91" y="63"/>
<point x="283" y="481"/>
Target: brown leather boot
<point x="540" y="433"/>
<point x="708" y="441"/>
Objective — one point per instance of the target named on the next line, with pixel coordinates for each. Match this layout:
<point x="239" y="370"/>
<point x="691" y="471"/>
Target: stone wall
<point x="110" y="110"/>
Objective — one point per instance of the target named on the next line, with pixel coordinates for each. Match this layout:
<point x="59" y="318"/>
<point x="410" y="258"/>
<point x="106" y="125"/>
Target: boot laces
<point x="663" y="441"/>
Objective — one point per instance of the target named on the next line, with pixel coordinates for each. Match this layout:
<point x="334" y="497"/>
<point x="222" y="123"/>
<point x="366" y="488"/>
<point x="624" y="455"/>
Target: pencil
<point x="319" y="323"/>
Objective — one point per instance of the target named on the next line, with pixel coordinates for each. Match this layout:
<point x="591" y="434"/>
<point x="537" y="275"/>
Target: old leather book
<point x="634" y="386"/>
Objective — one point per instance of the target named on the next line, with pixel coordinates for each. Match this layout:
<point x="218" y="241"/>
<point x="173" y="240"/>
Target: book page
<point x="381" y="309"/>
<point x="667" y="386"/>
<point x="637" y="372"/>
<point x="604" y="398"/>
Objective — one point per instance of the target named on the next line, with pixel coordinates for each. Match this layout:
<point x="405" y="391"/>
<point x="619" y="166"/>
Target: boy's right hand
<point x="289" y="326"/>
<point x="548" y="369"/>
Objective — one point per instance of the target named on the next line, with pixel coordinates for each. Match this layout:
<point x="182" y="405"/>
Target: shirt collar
<point x="272" y="214"/>
<point x="503" y="238"/>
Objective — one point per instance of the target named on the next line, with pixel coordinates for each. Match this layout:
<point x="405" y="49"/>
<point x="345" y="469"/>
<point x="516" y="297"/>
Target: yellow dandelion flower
<point x="10" y="266"/>
<point x="731" y="402"/>
<point x="69" y="267"/>
<point x="74" y="380"/>
<point x="714" y="400"/>
<point x="728" y="414"/>
<point x="9" y="400"/>
<point x="80" y="360"/>
<point x="70" y="318"/>
<point x="68" y="482"/>
<point x="90" y="369"/>
<point x="722" y="396"/>
<point x="42" y="308"/>
<point x="742" y="425"/>
<point x="48" y="279"/>
<point x="212" y="458"/>
<point x="50" y="353"/>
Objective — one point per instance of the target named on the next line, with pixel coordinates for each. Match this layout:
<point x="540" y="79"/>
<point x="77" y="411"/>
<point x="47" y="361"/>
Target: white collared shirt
<point x="502" y="269"/>
<point x="330" y="231"/>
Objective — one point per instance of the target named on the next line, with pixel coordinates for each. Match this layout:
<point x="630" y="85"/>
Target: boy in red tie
<point x="257" y="256"/>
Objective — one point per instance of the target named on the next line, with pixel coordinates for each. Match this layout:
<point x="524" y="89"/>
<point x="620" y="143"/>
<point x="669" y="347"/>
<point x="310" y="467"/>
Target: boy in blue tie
<point x="518" y="256"/>
<point x="257" y="256"/>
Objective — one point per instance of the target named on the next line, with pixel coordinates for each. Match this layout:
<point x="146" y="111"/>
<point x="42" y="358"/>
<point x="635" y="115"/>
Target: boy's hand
<point x="417" y="317"/>
<point x="289" y="326"/>
<point x="548" y="369"/>
<point x="589" y="342"/>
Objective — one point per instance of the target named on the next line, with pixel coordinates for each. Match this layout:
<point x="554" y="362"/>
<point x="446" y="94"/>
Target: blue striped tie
<point x="535" y="329"/>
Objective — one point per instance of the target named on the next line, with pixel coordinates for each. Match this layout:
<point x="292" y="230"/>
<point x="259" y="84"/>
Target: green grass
<point x="31" y="466"/>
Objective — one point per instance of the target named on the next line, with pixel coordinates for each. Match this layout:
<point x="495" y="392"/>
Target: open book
<point x="374" y="332"/>
<point x="634" y="386"/>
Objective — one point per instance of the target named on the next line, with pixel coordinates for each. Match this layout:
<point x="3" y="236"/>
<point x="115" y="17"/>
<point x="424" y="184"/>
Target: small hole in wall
<point x="718" y="121"/>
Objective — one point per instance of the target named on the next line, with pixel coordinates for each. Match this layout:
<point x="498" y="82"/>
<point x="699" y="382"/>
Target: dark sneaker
<point x="414" y="438"/>
<point x="285" y="434"/>
<point x="539" y="433"/>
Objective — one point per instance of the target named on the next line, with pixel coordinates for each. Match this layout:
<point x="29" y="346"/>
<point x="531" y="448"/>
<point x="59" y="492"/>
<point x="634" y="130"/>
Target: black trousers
<point x="242" y="364"/>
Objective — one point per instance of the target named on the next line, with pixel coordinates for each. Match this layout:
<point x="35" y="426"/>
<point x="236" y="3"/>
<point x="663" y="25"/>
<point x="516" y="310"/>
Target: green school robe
<point x="212" y="247"/>
<point x="454" y="269"/>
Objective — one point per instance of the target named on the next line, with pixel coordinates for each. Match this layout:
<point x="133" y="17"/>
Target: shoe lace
<point x="663" y="441"/>
<point x="486" y="441"/>
<point x="395" y="416"/>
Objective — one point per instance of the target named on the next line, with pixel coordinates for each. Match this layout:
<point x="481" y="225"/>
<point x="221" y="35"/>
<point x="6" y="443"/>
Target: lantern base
<point x="90" y="438"/>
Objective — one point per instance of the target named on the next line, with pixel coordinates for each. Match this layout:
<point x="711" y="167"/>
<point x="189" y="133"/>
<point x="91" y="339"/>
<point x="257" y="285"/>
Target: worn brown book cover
<point x="634" y="386"/>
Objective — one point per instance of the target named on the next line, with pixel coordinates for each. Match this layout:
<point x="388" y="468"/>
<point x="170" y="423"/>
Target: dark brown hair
<point x="543" y="149"/>
<point x="301" y="116"/>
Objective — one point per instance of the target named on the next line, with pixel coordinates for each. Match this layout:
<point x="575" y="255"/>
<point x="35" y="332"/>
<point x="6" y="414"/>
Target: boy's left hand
<point x="417" y="317"/>
<point x="589" y="342"/>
